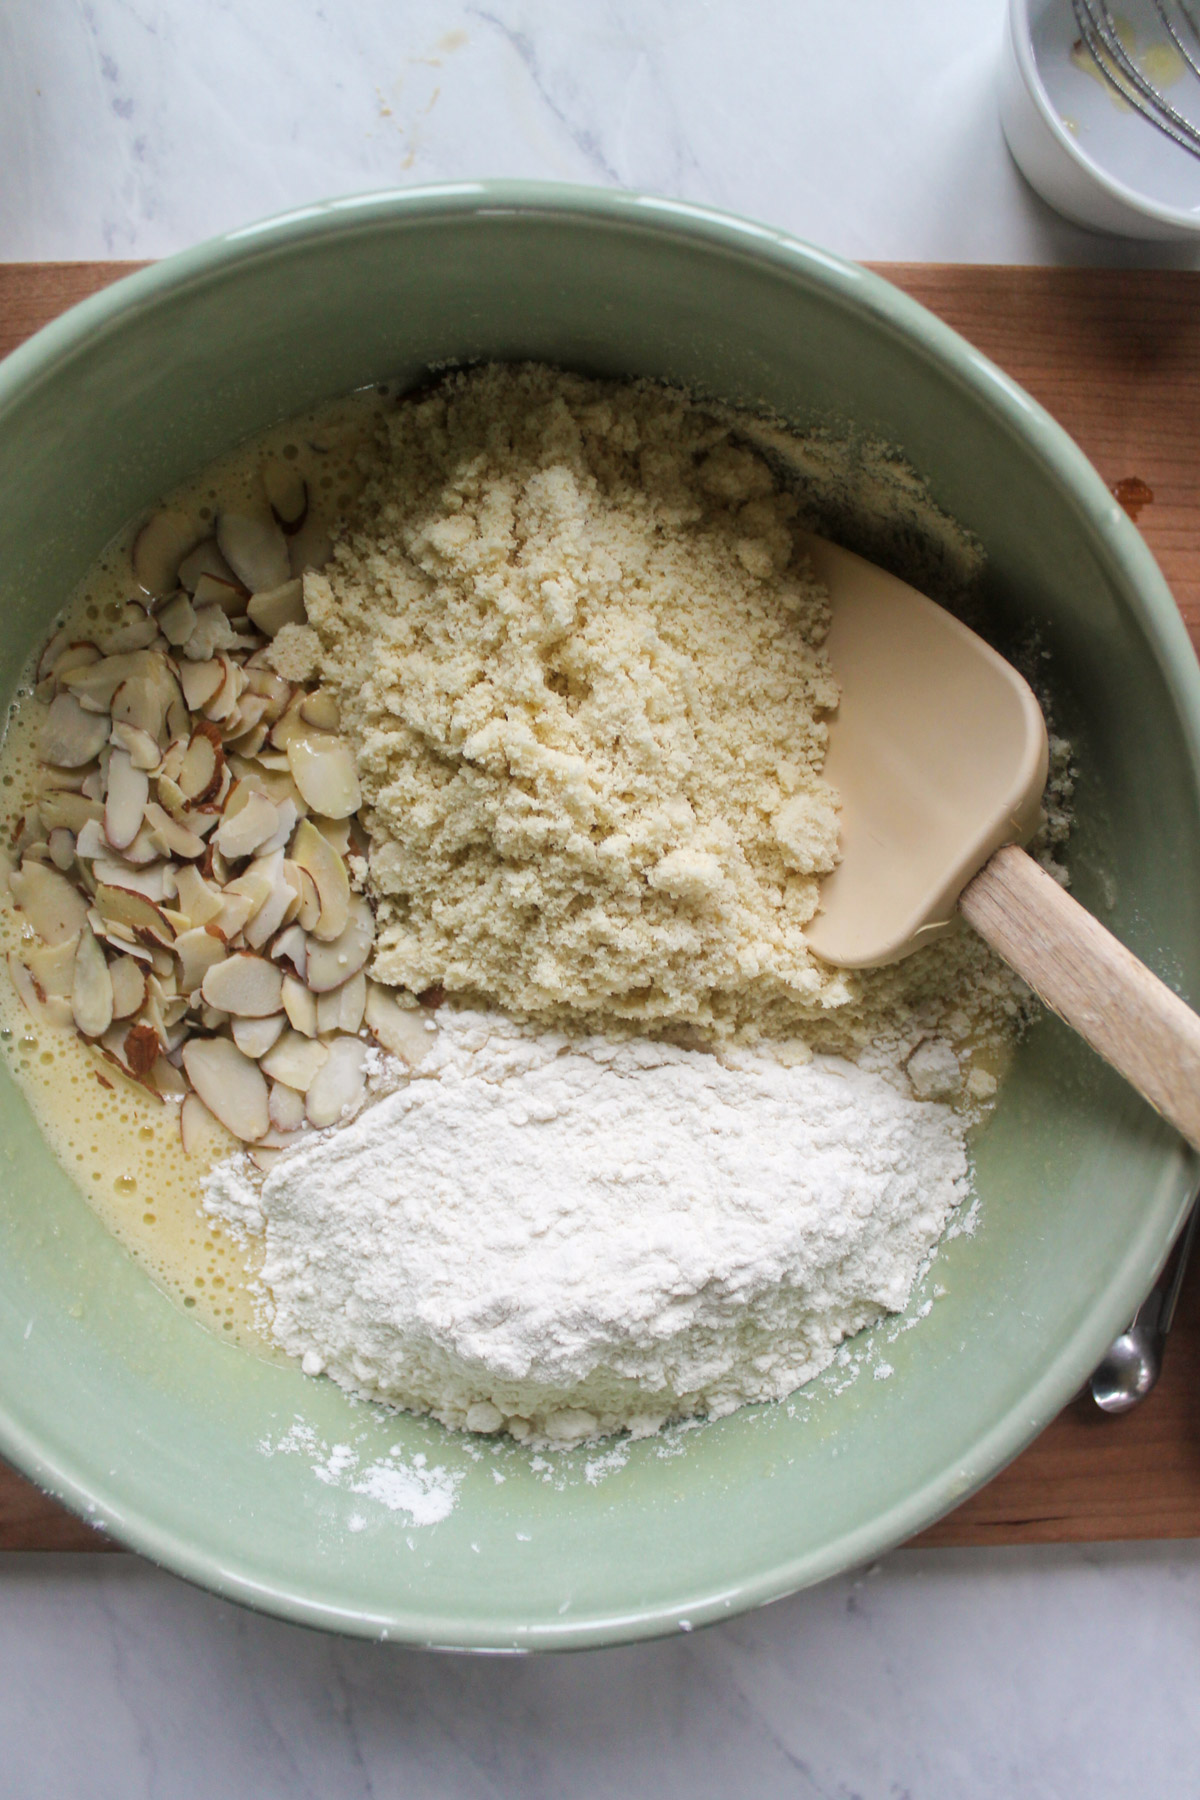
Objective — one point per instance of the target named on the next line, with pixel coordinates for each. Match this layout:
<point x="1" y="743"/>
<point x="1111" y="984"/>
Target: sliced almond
<point x="249" y="986"/>
<point x="94" y="684"/>
<point x="159" y="548"/>
<point x="199" y="903"/>
<point x="52" y="905"/>
<point x="248" y="829"/>
<point x="300" y="1005"/>
<point x="287" y="493"/>
<point x="285" y="812"/>
<point x="291" y="946"/>
<point x="339" y="1084"/>
<point x="295" y="1060"/>
<point x="309" y="910"/>
<point x="125" y="801"/>
<point x="286" y="1107"/>
<point x="205" y="559"/>
<point x="255" y="549"/>
<point x="70" y="736"/>
<point x="228" y="596"/>
<point x="198" y="951"/>
<point x="55" y="647"/>
<point x="341" y="1009"/>
<point x="203" y="762"/>
<point x="275" y="908"/>
<point x="311" y="547"/>
<point x="76" y="656"/>
<point x="90" y="841"/>
<point x="331" y="964"/>
<point x="154" y="882"/>
<point x="224" y="702"/>
<point x="323" y="769"/>
<point x="235" y="911"/>
<point x="321" y="710"/>
<point x="230" y="1085"/>
<point x="141" y="746"/>
<point x="400" y="1029"/>
<point x="61" y="844"/>
<point x="70" y="811"/>
<point x="213" y="632"/>
<point x="247" y="715"/>
<point x="91" y="988"/>
<point x="134" y="629"/>
<point x="336" y="833"/>
<point x="289" y="722"/>
<point x="26" y="987"/>
<point x="202" y="1134"/>
<point x="166" y="1080"/>
<point x="127" y="907"/>
<point x="128" y="986"/>
<point x="52" y="966"/>
<point x="200" y="681"/>
<point x="254" y="1037"/>
<point x="273" y="608"/>
<point x="177" y="619"/>
<point x="141" y="1047"/>
<point x="169" y="837"/>
<point x="141" y="701"/>
<point x="312" y="853"/>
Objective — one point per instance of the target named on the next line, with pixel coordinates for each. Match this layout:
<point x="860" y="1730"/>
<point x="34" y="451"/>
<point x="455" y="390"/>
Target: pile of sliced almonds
<point x="186" y="871"/>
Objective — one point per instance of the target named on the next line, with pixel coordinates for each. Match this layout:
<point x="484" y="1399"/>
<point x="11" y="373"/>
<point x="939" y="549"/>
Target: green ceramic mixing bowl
<point x="113" y="1398"/>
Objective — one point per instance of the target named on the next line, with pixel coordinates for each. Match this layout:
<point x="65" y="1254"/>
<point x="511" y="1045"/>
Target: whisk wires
<point x="1098" y="31"/>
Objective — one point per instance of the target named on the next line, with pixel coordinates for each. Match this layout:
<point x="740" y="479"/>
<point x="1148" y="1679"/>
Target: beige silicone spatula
<point x="938" y="751"/>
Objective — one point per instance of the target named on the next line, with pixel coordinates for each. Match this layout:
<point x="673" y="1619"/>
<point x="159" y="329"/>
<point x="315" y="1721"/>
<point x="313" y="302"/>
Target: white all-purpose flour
<point x="567" y="1238"/>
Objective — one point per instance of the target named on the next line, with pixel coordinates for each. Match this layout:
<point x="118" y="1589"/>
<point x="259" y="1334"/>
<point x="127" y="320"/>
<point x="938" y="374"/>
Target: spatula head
<point x="938" y="752"/>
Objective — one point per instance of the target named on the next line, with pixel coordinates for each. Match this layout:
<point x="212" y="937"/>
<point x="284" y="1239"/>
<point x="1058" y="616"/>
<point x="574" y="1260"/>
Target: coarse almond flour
<point x="580" y="659"/>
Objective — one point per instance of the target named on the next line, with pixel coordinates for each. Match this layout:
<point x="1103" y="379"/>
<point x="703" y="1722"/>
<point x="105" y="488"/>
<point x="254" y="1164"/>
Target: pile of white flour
<point x="565" y="1238"/>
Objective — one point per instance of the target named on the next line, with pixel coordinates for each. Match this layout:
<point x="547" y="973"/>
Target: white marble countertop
<point x="130" y="128"/>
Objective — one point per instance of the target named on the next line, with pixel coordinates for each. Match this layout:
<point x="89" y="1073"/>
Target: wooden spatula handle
<point x="1092" y="981"/>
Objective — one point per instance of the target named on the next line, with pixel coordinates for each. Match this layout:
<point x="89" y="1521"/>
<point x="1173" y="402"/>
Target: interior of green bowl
<point x="227" y="1468"/>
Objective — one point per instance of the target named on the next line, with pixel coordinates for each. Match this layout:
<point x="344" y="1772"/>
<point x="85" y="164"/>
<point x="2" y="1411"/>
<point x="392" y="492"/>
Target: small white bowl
<point x="1086" y="151"/>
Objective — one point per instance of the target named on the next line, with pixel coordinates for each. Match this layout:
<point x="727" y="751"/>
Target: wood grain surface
<point x="1115" y="356"/>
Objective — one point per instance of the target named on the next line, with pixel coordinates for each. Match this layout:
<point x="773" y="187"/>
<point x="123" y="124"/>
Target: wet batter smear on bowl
<point x="419" y="862"/>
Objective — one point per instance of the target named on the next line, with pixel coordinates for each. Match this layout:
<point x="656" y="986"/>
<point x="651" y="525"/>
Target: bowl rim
<point x="1079" y="488"/>
<point x="1136" y="202"/>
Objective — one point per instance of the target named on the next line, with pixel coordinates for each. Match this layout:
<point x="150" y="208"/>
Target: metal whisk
<point x="1098" y="31"/>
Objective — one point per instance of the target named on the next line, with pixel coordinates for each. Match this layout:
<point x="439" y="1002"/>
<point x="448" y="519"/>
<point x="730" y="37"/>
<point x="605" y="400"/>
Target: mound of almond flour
<point x="579" y="655"/>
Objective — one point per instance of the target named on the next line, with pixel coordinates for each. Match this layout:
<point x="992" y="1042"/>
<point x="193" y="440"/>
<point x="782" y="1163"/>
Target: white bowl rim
<point x="1141" y="204"/>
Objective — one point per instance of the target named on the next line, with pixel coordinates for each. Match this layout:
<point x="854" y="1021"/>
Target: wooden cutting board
<point x="1115" y="356"/>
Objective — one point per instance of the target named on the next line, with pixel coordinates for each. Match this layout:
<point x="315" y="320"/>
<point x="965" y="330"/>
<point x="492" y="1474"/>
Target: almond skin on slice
<point x="294" y="1060"/>
<point x="203" y="763"/>
<point x="312" y="852"/>
<point x="231" y="1086"/>
<point x="255" y="549"/>
<point x="143" y="749"/>
<point x="70" y="736"/>
<point x="323" y="769"/>
<point x="250" y="986"/>
<point x="55" y="908"/>
<point x="339" y="1084"/>
<point x="144" y="917"/>
<point x="402" y="1030"/>
<point x="91" y="989"/>
<point x="199" y="903"/>
<point x="329" y="965"/>
<point x="205" y="559"/>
